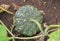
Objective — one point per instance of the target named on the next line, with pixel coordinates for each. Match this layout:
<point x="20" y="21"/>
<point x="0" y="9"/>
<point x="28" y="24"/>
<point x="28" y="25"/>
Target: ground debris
<point x="44" y="3"/>
<point x="24" y="0"/>
<point x="15" y="6"/>
<point x="5" y="6"/>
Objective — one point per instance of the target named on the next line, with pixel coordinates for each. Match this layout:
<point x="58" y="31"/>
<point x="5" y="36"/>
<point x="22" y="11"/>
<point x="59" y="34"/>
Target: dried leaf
<point x="15" y="6"/>
<point x="24" y="0"/>
<point x="5" y="7"/>
<point x="44" y="3"/>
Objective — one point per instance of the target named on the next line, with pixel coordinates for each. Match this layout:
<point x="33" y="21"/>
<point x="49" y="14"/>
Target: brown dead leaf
<point x="45" y="24"/>
<point x="15" y="6"/>
<point x="5" y="6"/>
<point x="24" y="0"/>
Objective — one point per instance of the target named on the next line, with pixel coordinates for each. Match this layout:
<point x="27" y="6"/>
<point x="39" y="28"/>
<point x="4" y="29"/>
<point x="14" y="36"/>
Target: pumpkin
<point x="22" y="17"/>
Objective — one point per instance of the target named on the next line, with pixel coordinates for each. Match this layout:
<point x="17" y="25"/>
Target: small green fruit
<point x="22" y="17"/>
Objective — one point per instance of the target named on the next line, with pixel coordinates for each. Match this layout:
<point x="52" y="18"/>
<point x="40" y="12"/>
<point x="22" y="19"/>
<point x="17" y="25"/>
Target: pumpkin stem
<point x="38" y="24"/>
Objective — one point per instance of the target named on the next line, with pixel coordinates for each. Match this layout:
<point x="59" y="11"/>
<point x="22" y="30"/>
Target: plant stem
<point x="12" y="28"/>
<point x="14" y="37"/>
<point x="11" y="38"/>
<point x="6" y="10"/>
<point x="8" y="31"/>
<point x="38" y="24"/>
<point x="51" y="26"/>
<point x="34" y="37"/>
<point x="6" y="28"/>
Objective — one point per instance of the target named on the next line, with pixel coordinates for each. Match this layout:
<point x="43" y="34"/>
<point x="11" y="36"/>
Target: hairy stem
<point x="12" y="28"/>
<point x="38" y="24"/>
<point x="11" y="38"/>
<point x="6" y="28"/>
<point x="14" y="37"/>
<point x="34" y="37"/>
<point x="51" y="26"/>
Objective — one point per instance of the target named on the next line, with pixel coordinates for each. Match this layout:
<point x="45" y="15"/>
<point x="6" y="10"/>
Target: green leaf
<point x="3" y="34"/>
<point x="54" y="36"/>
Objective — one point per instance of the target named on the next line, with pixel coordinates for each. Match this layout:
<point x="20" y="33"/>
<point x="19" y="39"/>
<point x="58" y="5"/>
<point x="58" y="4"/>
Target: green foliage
<point x="22" y="20"/>
<point x="3" y="34"/>
<point x="54" y="36"/>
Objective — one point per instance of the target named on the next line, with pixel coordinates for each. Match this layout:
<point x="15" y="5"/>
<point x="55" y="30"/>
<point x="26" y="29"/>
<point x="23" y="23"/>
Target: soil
<point x="51" y="10"/>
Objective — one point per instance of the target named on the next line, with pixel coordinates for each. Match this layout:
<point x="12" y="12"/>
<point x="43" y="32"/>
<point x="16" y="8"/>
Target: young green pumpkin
<point x="22" y="21"/>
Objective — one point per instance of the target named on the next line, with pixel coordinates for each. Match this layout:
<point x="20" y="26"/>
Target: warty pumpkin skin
<point x="22" y="17"/>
